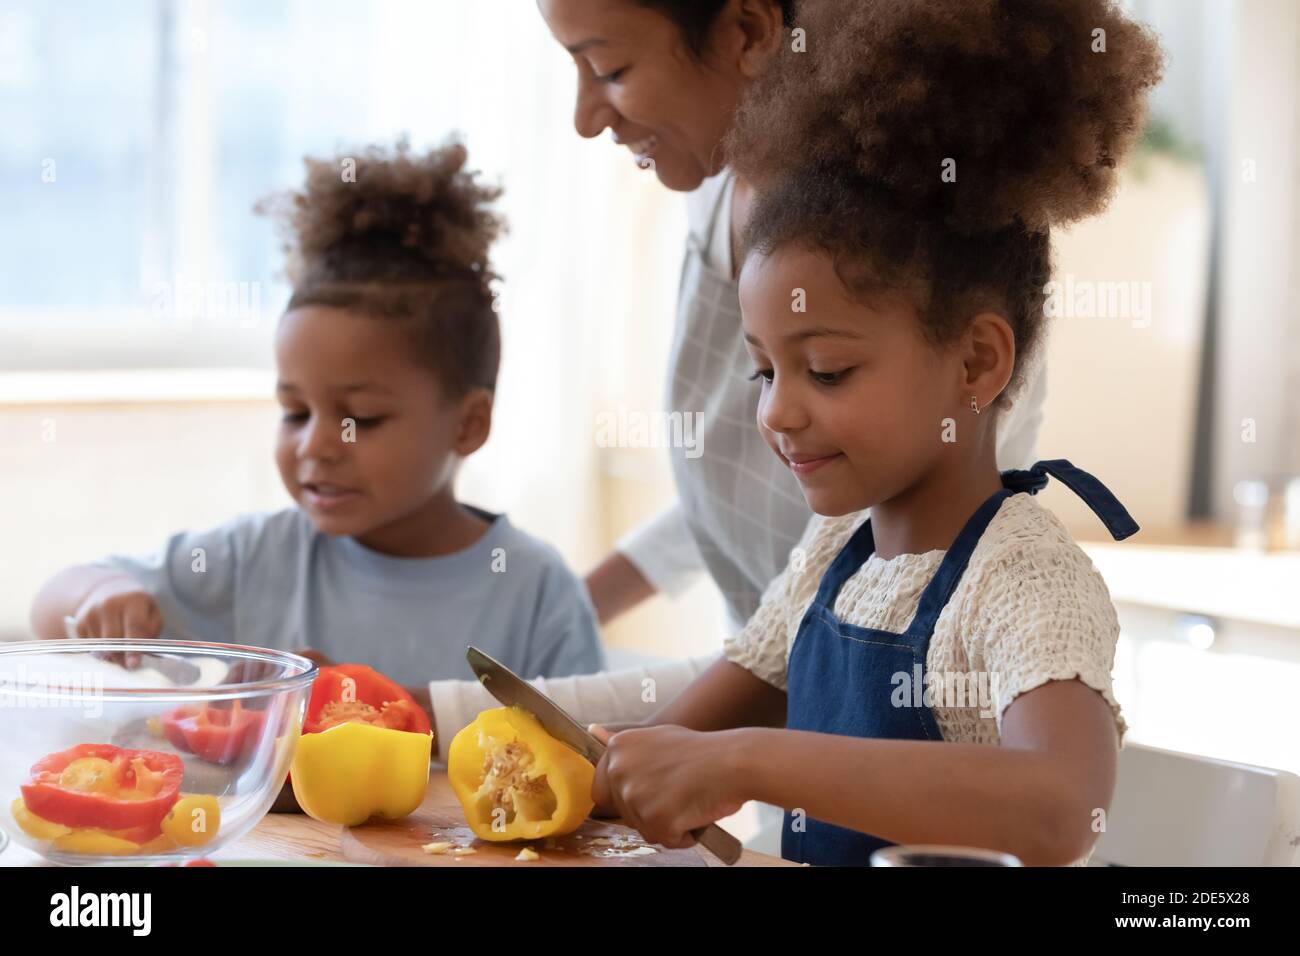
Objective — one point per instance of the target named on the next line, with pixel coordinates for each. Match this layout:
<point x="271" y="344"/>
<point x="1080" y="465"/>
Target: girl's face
<point x="407" y="437"/>
<point x="637" y="79"/>
<point x="853" y="398"/>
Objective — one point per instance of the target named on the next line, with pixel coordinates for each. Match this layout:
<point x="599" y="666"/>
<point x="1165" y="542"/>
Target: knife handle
<point x="718" y="842"/>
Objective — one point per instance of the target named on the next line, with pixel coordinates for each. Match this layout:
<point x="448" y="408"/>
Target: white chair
<point x="1176" y="809"/>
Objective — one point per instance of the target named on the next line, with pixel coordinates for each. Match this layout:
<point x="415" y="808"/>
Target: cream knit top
<point x="1029" y="608"/>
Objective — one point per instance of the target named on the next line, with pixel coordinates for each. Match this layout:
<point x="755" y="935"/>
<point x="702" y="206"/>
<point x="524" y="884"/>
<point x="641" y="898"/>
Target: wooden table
<point x="296" y="837"/>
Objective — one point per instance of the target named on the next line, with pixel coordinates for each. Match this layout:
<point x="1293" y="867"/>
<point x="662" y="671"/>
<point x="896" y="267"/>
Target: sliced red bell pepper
<point x="215" y="734"/>
<point x="99" y="785"/>
<point x="345" y="692"/>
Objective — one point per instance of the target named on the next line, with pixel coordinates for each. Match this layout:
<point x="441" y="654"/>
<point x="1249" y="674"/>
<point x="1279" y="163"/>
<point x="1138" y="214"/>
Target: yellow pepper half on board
<point x="515" y="781"/>
<point x="353" y="771"/>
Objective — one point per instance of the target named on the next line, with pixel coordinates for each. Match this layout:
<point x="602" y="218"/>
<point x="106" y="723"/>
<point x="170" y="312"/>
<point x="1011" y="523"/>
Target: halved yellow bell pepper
<point x="515" y="781"/>
<point x="353" y="771"/>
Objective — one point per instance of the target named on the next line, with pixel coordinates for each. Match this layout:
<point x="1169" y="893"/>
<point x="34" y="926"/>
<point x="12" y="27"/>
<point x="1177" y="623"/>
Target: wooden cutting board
<point x="440" y="818"/>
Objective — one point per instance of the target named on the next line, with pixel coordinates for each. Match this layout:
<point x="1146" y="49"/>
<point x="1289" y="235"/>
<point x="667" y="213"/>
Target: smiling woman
<point x="663" y="76"/>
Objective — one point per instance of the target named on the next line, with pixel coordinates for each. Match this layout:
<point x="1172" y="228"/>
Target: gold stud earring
<point x="974" y="405"/>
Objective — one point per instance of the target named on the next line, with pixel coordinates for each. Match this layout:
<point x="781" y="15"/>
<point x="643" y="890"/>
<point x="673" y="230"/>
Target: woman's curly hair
<point x="847" y="145"/>
<point x="402" y="236"/>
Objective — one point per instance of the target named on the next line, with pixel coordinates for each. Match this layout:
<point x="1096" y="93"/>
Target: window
<point x="139" y="134"/>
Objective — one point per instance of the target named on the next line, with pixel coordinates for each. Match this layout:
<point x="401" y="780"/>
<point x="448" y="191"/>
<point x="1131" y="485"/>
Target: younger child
<point x="939" y="673"/>
<point x="387" y="361"/>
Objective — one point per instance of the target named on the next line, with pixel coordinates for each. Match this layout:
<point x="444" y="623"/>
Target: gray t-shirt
<point x="273" y="580"/>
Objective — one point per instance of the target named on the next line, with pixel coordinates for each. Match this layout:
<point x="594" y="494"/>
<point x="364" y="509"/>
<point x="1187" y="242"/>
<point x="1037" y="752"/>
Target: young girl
<point x="387" y="362"/>
<point x="939" y="673"/>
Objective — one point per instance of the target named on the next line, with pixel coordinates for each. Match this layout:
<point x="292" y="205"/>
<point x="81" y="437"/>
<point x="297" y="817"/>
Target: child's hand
<point x="667" y="781"/>
<point x="118" y="607"/>
<point x="603" y="732"/>
<point x="602" y="808"/>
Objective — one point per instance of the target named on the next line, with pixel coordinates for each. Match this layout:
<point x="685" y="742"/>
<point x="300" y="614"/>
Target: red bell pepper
<point x="355" y="692"/>
<point x="216" y="734"/>
<point x="99" y="785"/>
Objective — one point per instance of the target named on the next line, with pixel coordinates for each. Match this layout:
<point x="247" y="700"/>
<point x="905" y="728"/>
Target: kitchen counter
<point x="1254" y="586"/>
<point x="294" y="837"/>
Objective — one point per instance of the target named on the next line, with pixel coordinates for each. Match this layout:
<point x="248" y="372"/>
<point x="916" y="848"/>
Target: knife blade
<point x="513" y="691"/>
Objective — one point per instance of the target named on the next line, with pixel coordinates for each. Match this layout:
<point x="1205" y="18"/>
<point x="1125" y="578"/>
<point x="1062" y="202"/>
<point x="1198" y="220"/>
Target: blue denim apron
<point x="841" y="678"/>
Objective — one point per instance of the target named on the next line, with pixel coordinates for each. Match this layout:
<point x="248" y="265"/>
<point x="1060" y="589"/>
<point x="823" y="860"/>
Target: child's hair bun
<point x="1034" y="101"/>
<point x="389" y="216"/>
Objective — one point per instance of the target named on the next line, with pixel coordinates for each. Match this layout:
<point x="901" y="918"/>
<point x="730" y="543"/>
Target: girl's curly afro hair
<point x="402" y="236"/>
<point x="853" y="146"/>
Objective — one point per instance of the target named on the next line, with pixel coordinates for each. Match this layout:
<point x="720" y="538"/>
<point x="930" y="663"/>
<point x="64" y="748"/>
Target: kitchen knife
<point x="511" y="690"/>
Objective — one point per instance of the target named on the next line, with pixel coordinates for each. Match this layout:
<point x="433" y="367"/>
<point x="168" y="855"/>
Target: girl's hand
<point x="667" y="781"/>
<point x="603" y="732"/>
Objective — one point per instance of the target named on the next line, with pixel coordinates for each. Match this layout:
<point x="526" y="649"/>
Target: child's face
<point x="408" y="436"/>
<point x="853" y="398"/>
<point x="637" y="79"/>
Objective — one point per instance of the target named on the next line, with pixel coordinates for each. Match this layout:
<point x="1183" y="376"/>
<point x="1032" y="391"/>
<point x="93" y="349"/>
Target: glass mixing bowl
<point x="146" y="750"/>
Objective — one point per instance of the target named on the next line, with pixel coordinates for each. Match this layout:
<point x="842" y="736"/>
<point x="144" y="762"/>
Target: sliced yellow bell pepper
<point x="353" y="771"/>
<point x="35" y="826"/>
<point x="89" y="840"/>
<point x="515" y="781"/>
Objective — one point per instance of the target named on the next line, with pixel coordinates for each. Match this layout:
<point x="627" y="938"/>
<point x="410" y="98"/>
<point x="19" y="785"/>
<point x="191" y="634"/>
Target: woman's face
<point x="637" y="78"/>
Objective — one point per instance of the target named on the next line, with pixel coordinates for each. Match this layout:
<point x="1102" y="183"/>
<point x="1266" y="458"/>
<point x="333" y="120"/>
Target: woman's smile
<point x="643" y="148"/>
